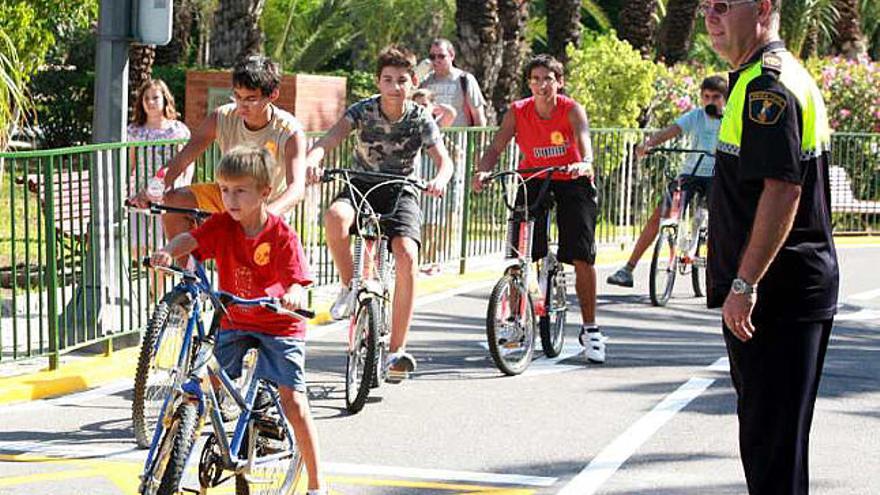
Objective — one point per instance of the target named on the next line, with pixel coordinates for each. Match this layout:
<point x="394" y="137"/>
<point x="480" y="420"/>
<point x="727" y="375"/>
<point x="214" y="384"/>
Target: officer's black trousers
<point x="776" y="376"/>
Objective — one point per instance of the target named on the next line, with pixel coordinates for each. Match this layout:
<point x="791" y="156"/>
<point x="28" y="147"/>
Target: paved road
<point x="657" y="418"/>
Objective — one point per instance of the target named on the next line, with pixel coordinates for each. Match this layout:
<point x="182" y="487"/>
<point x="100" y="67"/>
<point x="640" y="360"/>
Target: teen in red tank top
<point x="546" y="142"/>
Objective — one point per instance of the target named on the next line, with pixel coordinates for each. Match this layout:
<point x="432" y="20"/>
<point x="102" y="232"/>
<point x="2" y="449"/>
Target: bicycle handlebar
<point x="271" y="303"/>
<point x="680" y="150"/>
<point x="327" y="176"/>
<point x="533" y="171"/>
<point x="160" y="209"/>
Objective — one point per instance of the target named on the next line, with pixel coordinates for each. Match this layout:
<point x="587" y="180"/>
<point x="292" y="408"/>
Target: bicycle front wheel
<point x="553" y="322"/>
<point x="664" y="265"/>
<point x="510" y="329"/>
<point x="157" y="368"/>
<point x="361" y="365"/>
<point x="276" y="461"/>
<point x="181" y="438"/>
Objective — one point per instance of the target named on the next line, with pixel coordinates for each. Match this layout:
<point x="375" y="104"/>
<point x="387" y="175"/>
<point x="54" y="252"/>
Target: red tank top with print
<point x="545" y="142"/>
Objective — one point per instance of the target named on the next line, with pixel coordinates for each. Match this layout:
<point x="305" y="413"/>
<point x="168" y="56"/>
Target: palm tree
<point x="236" y="31"/>
<point x="802" y="20"/>
<point x="178" y="49"/>
<point x="311" y="38"/>
<point x="637" y="24"/>
<point x="479" y="43"/>
<point x="869" y="12"/>
<point x="14" y="102"/>
<point x="848" y="40"/>
<point x="563" y="26"/>
<point x="140" y="68"/>
<point x="513" y="15"/>
<point x="676" y="30"/>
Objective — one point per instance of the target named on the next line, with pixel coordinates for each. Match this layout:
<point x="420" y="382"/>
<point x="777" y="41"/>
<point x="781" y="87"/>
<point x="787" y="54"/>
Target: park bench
<point x="72" y="208"/>
<point x="843" y="200"/>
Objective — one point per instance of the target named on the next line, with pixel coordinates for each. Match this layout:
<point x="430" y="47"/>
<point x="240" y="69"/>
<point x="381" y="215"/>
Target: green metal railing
<point x="66" y="281"/>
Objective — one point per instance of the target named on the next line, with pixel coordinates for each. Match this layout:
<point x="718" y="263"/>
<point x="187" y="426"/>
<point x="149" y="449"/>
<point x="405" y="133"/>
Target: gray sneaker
<point x="398" y="366"/>
<point x="622" y="277"/>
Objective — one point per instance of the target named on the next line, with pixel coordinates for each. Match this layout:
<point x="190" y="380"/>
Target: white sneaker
<point x="594" y="345"/>
<point x="342" y="305"/>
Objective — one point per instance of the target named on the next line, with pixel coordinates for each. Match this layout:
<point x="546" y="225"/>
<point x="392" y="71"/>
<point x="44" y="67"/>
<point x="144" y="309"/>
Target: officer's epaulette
<point x="771" y="63"/>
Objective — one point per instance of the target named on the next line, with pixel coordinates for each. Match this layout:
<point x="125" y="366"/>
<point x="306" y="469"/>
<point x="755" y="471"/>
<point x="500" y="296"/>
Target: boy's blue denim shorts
<point x="282" y="359"/>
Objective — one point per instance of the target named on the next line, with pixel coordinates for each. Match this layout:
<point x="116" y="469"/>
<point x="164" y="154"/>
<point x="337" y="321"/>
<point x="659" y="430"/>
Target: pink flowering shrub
<point x="852" y="92"/>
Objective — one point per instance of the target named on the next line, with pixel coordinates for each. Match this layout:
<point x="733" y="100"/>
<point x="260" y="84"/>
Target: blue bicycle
<point x="261" y="452"/>
<point x="170" y="340"/>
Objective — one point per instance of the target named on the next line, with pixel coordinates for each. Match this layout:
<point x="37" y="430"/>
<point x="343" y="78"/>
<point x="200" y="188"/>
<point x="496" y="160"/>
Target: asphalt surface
<point x="657" y="418"/>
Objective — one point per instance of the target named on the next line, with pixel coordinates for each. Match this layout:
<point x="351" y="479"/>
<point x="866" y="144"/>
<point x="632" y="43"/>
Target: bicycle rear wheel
<point x="552" y="324"/>
<point x="664" y="265"/>
<point x="698" y="269"/>
<point x="510" y="333"/>
<point x="275" y="459"/>
<point x="361" y="365"/>
<point x="157" y="369"/>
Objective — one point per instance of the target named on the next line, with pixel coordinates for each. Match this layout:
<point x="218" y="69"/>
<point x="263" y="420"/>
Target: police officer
<point x="772" y="263"/>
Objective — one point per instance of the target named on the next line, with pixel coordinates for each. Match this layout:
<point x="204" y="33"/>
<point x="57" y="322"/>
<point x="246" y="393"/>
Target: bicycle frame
<point x="521" y="247"/>
<point x="370" y="276"/>
<point x="199" y="389"/>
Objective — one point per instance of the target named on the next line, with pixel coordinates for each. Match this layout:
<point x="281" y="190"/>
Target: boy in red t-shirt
<point x="257" y="255"/>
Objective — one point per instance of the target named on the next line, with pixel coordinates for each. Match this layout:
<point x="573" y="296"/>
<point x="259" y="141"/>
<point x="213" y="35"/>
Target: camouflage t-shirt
<point x="386" y="146"/>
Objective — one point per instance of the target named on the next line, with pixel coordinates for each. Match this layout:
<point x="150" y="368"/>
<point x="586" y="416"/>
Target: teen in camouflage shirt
<point x="391" y="130"/>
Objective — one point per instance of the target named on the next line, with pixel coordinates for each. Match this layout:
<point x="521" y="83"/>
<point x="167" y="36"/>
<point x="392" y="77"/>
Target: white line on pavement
<point x="865" y="296"/>
<point x="437" y="474"/>
<point x="69" y="450"/>
<point x="609" y="460"/>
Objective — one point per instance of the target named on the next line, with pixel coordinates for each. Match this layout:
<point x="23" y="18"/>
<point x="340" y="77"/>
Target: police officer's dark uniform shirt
<point x="769" y="133"/>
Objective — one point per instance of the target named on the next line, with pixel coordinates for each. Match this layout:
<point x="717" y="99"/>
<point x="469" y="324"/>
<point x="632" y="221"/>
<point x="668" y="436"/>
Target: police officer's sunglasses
<point x="721" y="7"/>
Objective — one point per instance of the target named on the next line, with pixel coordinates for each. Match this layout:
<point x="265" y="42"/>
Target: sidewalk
<point x="26" y="381"/>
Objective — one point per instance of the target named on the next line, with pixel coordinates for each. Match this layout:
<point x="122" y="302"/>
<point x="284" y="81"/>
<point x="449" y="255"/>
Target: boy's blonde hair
<point x="247" y="161"/>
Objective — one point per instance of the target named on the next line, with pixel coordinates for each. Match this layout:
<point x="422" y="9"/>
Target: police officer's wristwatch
<point x="741" y="287"/>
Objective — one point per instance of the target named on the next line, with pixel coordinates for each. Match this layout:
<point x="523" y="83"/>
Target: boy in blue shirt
<point x="700" y="126"/>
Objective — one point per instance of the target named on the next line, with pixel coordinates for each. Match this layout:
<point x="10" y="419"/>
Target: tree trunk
<point x="140" y="68"/>
<point x="563" y="26"/>
<point x="849" y="41"/>
<point x="676" y="31"/>
<point x="811" y="43"/>
<point x="178" y="49"/>
<point x="480" y="45"/>
<point x="236" y="33"/>
<point x="637" y="24"/>
<point x="513" y="15"/>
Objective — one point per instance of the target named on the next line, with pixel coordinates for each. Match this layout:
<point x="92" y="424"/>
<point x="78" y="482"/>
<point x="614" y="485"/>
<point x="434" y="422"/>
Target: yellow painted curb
<point x="71" y="377"/>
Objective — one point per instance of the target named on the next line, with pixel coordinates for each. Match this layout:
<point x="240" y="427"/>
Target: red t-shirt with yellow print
<point x="251" y="267"/>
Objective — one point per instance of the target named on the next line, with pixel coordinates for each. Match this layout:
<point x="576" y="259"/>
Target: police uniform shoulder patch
<point x="765" y="107"/>
<point x="772" y="61"/>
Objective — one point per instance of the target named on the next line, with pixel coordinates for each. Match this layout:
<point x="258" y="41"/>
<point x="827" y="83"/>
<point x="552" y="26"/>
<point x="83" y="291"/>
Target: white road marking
<point x="438" y="474"/>
<point x="609" y="460"/>
<point x="865" y="296"/>
<point x="863" y="314"/>
<point x="322" y="330"/>
<point x="542" y="365"/>
<point x="69" y="450"/>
